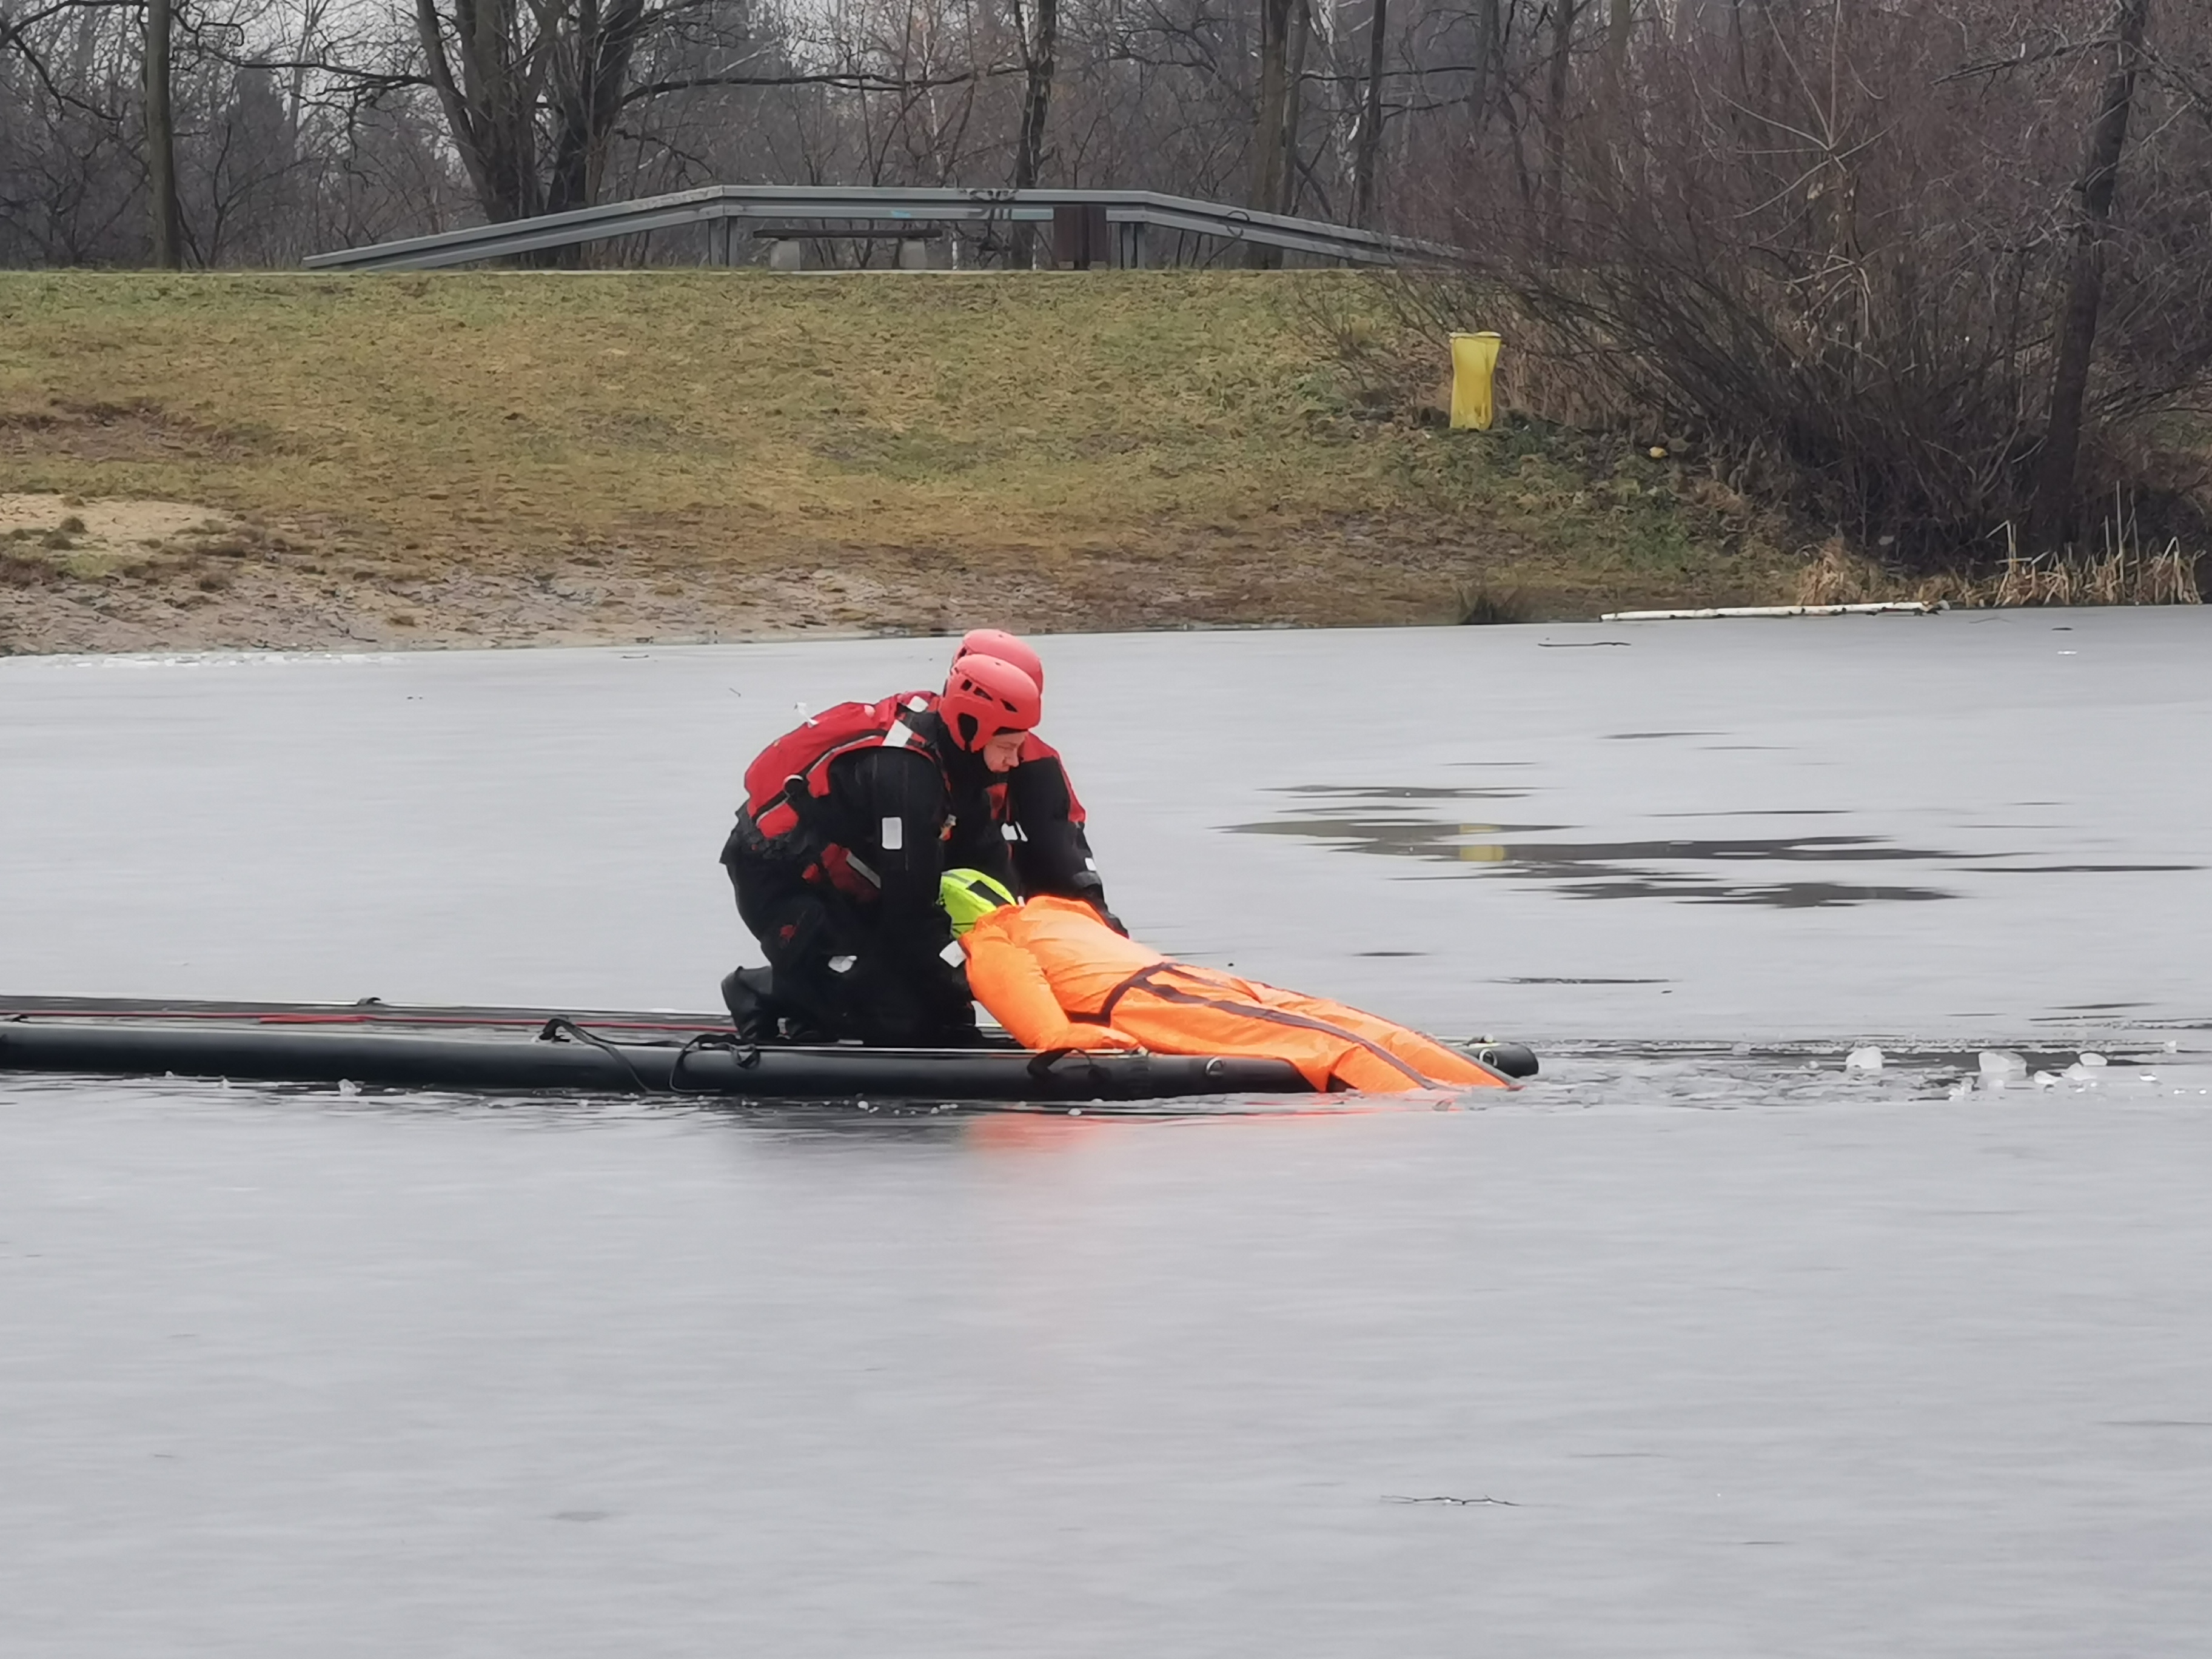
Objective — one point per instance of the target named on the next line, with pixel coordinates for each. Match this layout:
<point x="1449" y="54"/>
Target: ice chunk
<point x="2044" y="1080"/>
<point x="1867" y="1058"/>
<point x="2003" y="1062"/>
<point x="2088" y="1058"/>
<point x="1960" y="1090"/>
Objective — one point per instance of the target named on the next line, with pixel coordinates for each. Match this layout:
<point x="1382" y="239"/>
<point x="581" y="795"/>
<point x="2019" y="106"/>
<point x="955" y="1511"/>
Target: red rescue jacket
<point x="788" y="777"/>
<point x="1033" y="748"/>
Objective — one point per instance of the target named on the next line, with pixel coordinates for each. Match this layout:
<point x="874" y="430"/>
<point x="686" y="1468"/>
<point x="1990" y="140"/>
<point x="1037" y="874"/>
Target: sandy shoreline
<point x="108" y="574"/>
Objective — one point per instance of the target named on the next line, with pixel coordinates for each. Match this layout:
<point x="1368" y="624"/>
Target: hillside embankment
<point x="296" y="460"/>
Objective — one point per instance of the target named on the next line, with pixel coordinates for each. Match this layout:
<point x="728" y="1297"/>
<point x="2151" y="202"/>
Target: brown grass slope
<point x="515" y="458"/>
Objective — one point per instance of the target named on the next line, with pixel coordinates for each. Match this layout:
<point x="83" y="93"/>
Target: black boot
<point x="750" y="994"/>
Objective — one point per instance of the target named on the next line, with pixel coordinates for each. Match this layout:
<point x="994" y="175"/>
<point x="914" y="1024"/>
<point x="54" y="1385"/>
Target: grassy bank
<point x="514" y="456"/>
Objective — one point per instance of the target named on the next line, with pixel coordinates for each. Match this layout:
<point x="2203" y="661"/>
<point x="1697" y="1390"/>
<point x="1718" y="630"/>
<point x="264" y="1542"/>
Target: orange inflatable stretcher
<point x="1057" y="977"/>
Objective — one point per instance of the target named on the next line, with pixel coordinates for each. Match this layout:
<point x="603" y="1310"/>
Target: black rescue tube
<point x="720" y="1066"/>
<point x="1513" y="1059"/>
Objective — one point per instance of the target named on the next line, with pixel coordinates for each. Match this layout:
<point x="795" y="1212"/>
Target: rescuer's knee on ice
<point x="835" y="969"/>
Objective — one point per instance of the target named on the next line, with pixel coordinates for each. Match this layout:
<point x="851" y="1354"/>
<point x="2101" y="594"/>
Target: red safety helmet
<point x="986" y="696"/>
<point x="995" y="642"/>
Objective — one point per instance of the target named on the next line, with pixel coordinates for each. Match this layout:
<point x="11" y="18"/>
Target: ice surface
<point x="1759" y="1370"/>
<point x="1721" y="831"/>
<point x="1756" y="1358"/>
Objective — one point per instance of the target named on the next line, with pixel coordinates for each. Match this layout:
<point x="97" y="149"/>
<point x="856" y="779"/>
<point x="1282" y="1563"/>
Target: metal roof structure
<point x="1130" y="214"/>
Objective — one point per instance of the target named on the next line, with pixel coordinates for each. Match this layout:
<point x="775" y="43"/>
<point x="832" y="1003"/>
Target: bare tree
<point x="165" y="223"/>
<point x="1800" y="236"/>
<point x="1556" y="91"/>
<point x="1370" y="136"/>
<point x="2052" y="520"/>
<point x="1038" y="25"/>
<point x="490" y="63"/>
<point x="1270" y="162"/>
<point x="1286" y="200"/>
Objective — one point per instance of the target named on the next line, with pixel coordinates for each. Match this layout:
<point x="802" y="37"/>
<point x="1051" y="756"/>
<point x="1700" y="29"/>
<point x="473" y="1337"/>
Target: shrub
<point x="1810" y="240"/>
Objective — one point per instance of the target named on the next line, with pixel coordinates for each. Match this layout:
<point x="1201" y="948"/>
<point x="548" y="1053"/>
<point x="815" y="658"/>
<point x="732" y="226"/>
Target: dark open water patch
<point x="1610" y="869"/>
<point x="1546" y="978"/>
<point x="1692" y="869"/>
<point x="2079" y="869"/>
<point x="1778" y="812"/>
<point x="1341" y="791"/>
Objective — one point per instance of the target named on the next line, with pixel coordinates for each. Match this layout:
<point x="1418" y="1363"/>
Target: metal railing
<point x="1131" y="214"/>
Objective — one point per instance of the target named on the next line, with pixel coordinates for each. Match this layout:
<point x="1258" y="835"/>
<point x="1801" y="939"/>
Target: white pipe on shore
<point x="1887" y="607"/>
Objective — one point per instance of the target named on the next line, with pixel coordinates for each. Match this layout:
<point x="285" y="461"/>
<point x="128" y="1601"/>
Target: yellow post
<point x="1475" y="362"/>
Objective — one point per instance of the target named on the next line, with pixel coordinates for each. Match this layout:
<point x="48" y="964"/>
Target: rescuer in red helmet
<point x="1036" y="807"/>
<point x="847" y="825"/>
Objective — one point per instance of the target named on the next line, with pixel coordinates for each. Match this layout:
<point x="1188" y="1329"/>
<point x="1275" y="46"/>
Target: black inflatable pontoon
<point x="511" y="1049"/>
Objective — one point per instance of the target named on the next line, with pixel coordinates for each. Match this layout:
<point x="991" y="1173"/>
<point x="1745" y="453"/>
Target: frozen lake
<point x="1754" y="1355"/>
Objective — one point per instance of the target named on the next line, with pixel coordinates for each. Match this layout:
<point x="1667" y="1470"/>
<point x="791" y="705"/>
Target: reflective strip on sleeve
<point x="899" y="736"/>
<point x="893" y="835"/>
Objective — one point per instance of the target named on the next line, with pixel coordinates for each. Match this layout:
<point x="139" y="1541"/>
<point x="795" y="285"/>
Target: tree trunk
<point x="1268" y="158"/>
<point x="1363" y="203"/>
<point x="490" y="104"/>
<point x="1294" y="85"/>
<point x="165" y="220"/>
<point x="1564" y="13"/>
<point x="1037" y="56"/>
<point x="1040" y="45"/>
<point x="590" y="76"/>
<point x="2052" y="522"/>
<point x="1489" y="33"/>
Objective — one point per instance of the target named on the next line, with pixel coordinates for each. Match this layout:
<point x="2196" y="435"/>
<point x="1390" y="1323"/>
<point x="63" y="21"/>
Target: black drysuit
<point x="864" y="959"/>
<point x="1051" y="852"/>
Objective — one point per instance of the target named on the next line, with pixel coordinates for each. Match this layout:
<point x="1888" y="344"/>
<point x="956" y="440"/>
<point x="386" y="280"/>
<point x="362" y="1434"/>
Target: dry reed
<point x="2124" y="573"/>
